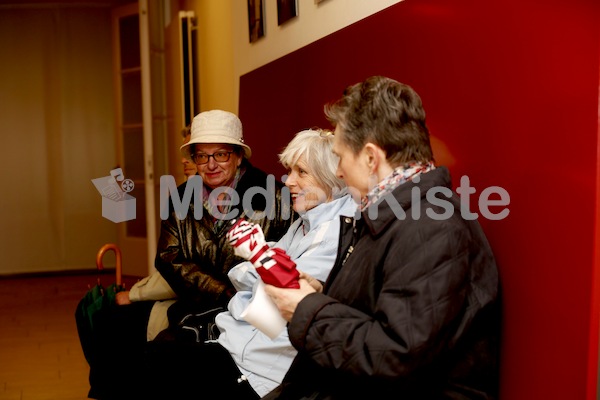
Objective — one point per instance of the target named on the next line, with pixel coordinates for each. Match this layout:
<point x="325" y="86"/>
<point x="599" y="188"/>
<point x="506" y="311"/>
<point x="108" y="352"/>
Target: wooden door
<point x="140" y="120"/>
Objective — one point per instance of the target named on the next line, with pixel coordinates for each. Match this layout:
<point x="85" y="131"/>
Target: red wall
<point x="511" y="92"/>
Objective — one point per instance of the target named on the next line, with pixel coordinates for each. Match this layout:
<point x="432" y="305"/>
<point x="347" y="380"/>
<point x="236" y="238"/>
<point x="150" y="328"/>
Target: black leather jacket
<point x="194" y="256"/>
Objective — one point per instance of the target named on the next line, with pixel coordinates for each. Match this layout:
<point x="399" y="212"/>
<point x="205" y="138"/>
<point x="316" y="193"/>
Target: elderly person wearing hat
<point x="197" y="269"/>
<point x="193" y="254"/>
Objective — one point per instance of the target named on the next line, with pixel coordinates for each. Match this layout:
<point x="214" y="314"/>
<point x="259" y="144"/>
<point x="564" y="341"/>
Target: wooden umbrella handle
<point x="117" y="250"/>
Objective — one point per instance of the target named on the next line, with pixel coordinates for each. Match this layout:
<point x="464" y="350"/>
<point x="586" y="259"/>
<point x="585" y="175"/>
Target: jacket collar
<point x="396" y="205"/>
<point x="344" y="206"/>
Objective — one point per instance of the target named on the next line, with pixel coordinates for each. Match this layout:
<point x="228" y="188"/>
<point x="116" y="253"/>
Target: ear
<point x="377" y="161"/>
<point x="375" y="156"/>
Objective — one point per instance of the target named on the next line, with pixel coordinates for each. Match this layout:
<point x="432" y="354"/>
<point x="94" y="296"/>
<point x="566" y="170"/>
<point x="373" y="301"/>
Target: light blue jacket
<point x="312" y="243"/>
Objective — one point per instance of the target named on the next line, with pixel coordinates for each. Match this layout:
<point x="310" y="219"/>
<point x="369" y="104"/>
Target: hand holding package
<point x="272" y="264"/>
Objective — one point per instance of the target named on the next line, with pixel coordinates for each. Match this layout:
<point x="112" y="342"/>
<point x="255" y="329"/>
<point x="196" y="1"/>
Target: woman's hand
<point x="312" y="281"/>
<point x="287" y="300"/>
<point x="122" y="298"/>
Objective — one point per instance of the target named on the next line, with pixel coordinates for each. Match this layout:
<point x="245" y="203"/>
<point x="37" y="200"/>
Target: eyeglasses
<point x="220" y="156"/>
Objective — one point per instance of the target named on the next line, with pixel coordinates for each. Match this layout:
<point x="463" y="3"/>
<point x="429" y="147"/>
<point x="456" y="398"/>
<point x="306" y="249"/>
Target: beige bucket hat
<point x="216" y="126"/>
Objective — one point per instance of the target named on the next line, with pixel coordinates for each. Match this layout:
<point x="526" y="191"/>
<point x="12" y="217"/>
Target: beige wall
<point x="217" y="89"/>
<point x="56" y="134"/>
<point x="215" y="52"/>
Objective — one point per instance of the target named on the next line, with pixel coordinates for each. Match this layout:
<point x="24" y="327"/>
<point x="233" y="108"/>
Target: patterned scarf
<point x="211" y="206"/>
<point x="400" y="175"/>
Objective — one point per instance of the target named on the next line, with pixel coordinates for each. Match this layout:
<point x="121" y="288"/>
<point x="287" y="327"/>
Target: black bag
<point x="195" y="327"/>
<point x="200" y="327"/>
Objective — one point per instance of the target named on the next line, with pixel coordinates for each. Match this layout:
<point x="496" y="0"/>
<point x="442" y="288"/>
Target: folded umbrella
<point x="95" y="301"/>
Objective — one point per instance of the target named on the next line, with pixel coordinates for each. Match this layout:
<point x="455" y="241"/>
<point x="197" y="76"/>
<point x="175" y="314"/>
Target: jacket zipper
<point x="351" y="248"/>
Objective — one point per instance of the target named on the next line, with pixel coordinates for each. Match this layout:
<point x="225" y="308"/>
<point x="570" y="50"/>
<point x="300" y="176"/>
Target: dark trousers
<point x="185" y="370"/>
<point x="123" y="365"/>
<point x="117" y="351"/>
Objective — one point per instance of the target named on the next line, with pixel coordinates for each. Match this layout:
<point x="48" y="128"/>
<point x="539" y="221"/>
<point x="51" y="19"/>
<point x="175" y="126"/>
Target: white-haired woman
<point x="246" y="363"/>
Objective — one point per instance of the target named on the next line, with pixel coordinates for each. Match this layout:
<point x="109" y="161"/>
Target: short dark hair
<point x="384" y="112"/>
<point x="186" y="131"/>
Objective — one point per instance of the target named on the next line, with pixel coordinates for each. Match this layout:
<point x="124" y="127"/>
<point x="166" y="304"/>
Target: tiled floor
<point x="40" y="353"/>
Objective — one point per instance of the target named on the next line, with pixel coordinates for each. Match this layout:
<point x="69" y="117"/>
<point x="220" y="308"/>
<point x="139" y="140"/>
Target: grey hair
<point x="315" y="145"/>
